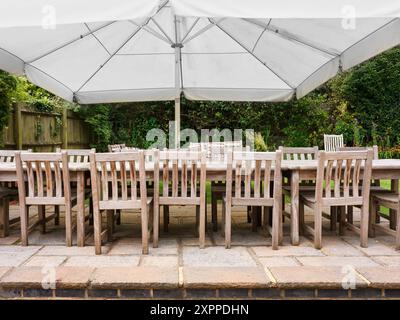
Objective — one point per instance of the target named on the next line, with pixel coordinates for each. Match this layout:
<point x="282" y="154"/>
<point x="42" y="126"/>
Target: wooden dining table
<point x="295" y="170"/>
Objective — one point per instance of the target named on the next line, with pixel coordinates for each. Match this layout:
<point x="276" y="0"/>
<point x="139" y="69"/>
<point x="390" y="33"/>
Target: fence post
<point x="18" y="126"/>
<point x="64" y="128"/>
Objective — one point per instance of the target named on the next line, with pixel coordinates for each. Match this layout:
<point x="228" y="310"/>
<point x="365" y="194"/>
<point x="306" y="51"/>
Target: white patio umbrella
<point x="100" y="51"/>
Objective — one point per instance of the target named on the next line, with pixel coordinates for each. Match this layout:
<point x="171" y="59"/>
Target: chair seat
<point x="308" y="197"/>
<point x="251" y="201"/>
<point x="387" y="196"/>
<point x="122" y="204"/>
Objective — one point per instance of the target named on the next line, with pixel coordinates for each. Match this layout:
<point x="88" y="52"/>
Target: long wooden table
<point x="295" y="170"/>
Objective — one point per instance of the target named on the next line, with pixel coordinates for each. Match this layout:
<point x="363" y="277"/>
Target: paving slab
<point x="134" y="247"/>
<point x="159" y="261"/>
<point x="47" y="278"/>
<point x="244" y="238"/>
<point x="45" y="261"/>
<point x="390" y="261"/>
<point x="102" y="261"/>
<point x="335" y="246"/>
<point x="337" y="261"/>
<point x="217" y="257"/>
<point x="4" y="270"/>
<point x="312" y="277"/>
<point x="382" y="277"/>
<point x="375" y="247"/>
<point x="135" y="278"/>
<point x="225" y="277"/>
<point x="279" y="262"/>
<point x="70" y="251"/>
<point x="287" y="251"/>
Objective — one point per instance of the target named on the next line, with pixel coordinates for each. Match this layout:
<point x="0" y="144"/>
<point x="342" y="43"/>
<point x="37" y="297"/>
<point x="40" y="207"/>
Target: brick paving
<point x="179" y="269"/>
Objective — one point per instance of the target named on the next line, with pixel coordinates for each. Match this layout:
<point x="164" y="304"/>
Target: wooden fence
<point x="43" y="131"/>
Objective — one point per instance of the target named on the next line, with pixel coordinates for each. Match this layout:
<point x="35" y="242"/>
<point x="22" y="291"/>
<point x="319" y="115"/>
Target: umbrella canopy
<point x="136" y="50"/>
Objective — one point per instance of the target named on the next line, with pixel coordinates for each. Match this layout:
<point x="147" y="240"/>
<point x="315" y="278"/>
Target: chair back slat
<point x="180" y="172"/>
<point x="256" y="167"/>
<point x="373" y="148"/>
<point x="116" y="174"/>
<point x="9" y="155"/>
<point x="294" y="153"/>
<point x="343" y="174"/>
<point x="47" y="176"/>
<point x="333" y="142"/>
<point x="77" y="155"/>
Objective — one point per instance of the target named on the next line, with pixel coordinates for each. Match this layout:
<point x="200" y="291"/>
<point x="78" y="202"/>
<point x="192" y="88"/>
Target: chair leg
<point x="398" y="228"/>
<point x="24" y="218"/>
<point x="317" y="227"/>
<point x="254" y="219"/>
<point x="333" y="220"/>
<point x="301" y="217"/>
<point x="265" y="219"/>
<point x="342" y="220"/>
<point x="97" y="230"/>
<point x="214" y="211"/>
<point x="248" y="214"/>
<point x="373" y="214"/>
<point x="118" y="215"/>
<point x="156" y="225"/>
<point x="145" y="230"/>
<point x="68" y="225"/>
<point x="90" y="211"/>
<point x="57" y="215"/>
<point x="350" y="218"/>
<point x="276" y="224"/>
<point x="223" y="218"/>
<point x="110" y="224"/>
<point x="4" y="217"/>
<point x="364" y="225"/>
<point x="202" y="224"/>
<point x="42" y="218"/>
<point x="228" y="226"/>
<point x="165" y="217"/>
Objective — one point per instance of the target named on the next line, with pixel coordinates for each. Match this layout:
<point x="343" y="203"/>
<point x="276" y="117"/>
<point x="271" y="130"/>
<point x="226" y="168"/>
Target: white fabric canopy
<point x="236" y="50"/>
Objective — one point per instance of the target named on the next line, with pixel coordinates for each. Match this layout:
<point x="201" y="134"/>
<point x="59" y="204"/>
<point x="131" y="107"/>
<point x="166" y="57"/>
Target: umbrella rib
<point x="254" y="56"/>
<point x="70" y="42"/>
<point x="98" y="40"/>
<point x="152" y="32"/>
<point x="123" y="45"/>
<point x="386" y="24"/>
<point x="289" y="36"/>
<point x="190" y="29"/>
<point x="162" y="30"/>
<point x="261" y="34"/>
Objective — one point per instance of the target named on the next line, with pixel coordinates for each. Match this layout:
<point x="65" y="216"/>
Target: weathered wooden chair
<point x="8" y="192"/>
<point x="114" y="187"/>
<point x="339" y="183"/>
<point x="48" y="184"/>
<point x="332" y="142"/>
<point x="116" y="147"/>
<point x="184" y="189"/>
<point x="390" y="200"/>
<point x="254" y="169"/>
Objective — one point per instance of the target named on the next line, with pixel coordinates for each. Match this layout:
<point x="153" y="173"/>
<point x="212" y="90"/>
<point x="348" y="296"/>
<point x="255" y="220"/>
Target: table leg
<point x="394" y="186"/>
<point x="294" y="215"/>
<point x="80" y="226"/>
<point x="4" y="217"/>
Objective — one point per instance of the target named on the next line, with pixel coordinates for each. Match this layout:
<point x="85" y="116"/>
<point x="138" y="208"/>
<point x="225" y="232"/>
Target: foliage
<point x="7" y="86"/>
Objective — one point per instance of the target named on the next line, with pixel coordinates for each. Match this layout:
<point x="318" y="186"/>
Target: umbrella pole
<point x="177" y="122"/>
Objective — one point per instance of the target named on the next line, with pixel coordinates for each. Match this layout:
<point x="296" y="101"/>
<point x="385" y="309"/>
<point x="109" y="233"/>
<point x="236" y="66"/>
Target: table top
<point x="381" y="164"/>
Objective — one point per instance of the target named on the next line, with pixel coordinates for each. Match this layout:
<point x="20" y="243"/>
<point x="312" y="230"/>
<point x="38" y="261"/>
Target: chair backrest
<point x="9" y="155"/>
<point x="181" y="183"/>
<point x="47" y="176"/>
<point x="253" y="171"/>
<point x="374" y="149"/>
<point x="307" y="153"/>
<point x="115" y="178"/>
<point x="77" y="155"/>
<point x="333" y="142"/>
<point x="340" y="180"/>
<point x="217" y="150"/>
<point x="116" y="147"/>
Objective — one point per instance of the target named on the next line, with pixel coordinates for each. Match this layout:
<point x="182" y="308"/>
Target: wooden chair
<point x="254" y="169"/>
<point x="390" y="200"/>
<point x="333" y="142"/>
<point x="186" y="188"/>
<point x="114" y="187"/>
<point x="338" y="184"/>
<point x="116" y="147"/>
<point x="8" y="192"/>
<point x="48" y="184"/>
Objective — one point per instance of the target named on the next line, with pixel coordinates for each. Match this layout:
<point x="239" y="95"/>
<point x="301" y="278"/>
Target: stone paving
<point x="179" y="269"/>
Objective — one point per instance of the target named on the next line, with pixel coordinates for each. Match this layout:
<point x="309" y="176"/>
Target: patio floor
<point x="179" y="269"/>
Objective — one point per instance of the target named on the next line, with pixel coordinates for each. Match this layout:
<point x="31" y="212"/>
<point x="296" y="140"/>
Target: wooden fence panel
<point x="43" y="131"/>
